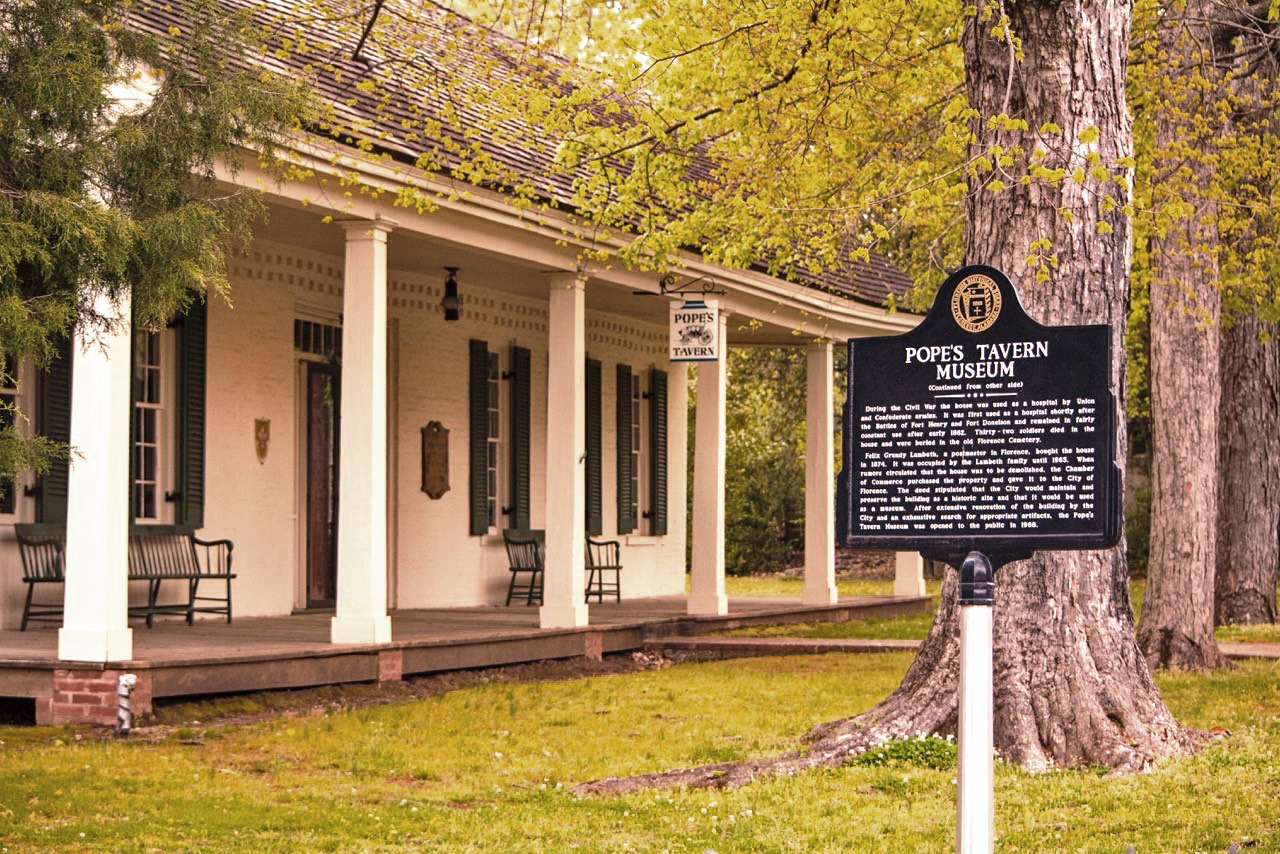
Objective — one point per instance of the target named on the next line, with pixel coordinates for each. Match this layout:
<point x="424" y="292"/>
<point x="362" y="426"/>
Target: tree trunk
<point x="1248" y="559"/>
<point x="1070" y="683"/>
<point x="1248" y="555"/>
<point x="1177" y="615"/>
<point x="1071" y="686"/>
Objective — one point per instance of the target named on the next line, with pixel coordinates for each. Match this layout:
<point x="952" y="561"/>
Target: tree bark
<point x="1176" y="629"/>
<point x="1248" y="556"/>
<point x="1071" y="686"/>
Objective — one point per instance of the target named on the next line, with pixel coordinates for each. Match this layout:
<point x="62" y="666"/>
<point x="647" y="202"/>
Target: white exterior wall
<point x="254" y="373"/>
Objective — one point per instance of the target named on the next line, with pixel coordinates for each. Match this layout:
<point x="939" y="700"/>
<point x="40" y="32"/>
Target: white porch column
<point x="95" y="617"/>
<point x="706" y="585"/>
<point x="908" y="574"/>
<point x="562" y="585"/>
<point x="819" y="479"/>
<point x="361" y="612"/>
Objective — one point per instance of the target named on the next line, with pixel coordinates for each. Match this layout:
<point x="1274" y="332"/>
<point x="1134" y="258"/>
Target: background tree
<point x="1206" y="103"/>
<point x="1177" y="614"/>
<point x="765" y="452"/>
<point x="102" y="190"/>
<point x="1248" y="542"/>
<point x="1248" y="548"/>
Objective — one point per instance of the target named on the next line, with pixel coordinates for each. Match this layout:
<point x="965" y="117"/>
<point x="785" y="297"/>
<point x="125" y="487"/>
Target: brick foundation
<point x="89" y="697"/>
<point x="390" y="665"/>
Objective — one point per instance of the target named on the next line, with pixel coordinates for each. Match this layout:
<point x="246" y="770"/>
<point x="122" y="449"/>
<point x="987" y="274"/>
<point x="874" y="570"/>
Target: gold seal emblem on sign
<point x="975" y="304"/>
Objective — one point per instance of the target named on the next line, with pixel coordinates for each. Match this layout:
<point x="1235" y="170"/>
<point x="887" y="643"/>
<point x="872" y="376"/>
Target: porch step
<point x="1241" y="651"/>
<point x="775" y="646"/>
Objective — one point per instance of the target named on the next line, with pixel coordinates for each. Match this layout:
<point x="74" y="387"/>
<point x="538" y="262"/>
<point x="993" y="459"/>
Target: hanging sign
<point x="694" y="331"/>
<point x="981" y="429"/>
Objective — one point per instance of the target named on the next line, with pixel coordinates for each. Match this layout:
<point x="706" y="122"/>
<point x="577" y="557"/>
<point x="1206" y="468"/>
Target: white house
<point x="308" y="420"/>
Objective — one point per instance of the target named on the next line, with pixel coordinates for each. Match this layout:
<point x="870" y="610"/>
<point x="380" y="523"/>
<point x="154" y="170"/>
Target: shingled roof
<point x="437" y="105"/>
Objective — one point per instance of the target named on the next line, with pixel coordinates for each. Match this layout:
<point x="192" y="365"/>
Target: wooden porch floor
<point x="263" y="653"/>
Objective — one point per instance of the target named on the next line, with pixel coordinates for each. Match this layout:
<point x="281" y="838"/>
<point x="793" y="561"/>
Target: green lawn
<point x="780" y="585"/>
<point x="485" y="769"/>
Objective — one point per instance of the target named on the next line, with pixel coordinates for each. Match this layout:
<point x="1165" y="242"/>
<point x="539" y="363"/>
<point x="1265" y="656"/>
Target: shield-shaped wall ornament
<point x="435" y="460"/>
<point x="261" y="437"/>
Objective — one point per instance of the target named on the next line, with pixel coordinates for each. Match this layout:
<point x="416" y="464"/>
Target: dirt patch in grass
<point x="192" y="719"/>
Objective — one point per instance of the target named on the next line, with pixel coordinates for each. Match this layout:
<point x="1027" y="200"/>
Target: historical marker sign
<point x="980" y="429"/>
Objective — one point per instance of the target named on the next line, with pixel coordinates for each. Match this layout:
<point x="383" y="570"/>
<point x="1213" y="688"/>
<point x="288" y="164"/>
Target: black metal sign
<point x="980" y="429"/>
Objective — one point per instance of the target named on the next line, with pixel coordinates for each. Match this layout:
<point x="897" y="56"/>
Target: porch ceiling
<point x="412" y="252"/>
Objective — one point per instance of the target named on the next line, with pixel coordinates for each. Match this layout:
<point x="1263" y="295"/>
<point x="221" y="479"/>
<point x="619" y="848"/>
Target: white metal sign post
<point x="975" y="796"/>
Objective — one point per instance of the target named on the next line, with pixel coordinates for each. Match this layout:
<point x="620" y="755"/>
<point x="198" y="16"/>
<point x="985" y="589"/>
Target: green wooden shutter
<point x="479" y="393"/>
<point x="658" y="453"/>
<point x="520" y="407"/>
<point x="595" y="487"/>
<point x="626" y="461"/>
<point x="54" y="415"/>
<point x="192" y="345"/>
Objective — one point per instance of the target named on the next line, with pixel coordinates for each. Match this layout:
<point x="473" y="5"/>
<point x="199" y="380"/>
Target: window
<point x="153" y="442"/>
<point x="8" y="410"/>
<point x="169" y="421"/>
<point x="21" y="387"/>
<point x="636" y="447"/>
<point x="494" y="440"/>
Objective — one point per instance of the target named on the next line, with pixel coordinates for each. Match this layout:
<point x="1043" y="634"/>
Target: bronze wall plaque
<point x="262" y="438"/>
<point x="435" y="460"/>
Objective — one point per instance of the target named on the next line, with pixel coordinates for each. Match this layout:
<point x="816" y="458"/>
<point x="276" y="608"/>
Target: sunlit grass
<point x="908" y="627"/>
<point x="1264" y="633"/>
<point x="780" y="585"/>
<point x="487" y="768"/>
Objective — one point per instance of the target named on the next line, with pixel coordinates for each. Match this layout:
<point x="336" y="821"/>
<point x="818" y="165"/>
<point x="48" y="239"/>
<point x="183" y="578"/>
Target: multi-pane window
<point x="8" y="408"/>
<point x="636" y="449"/>
<point x="494" y="441"/>
<point x="148" y="425"/>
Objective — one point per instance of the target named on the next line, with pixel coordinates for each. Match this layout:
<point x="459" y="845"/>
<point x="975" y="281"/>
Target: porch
<point x="264" y="653"/>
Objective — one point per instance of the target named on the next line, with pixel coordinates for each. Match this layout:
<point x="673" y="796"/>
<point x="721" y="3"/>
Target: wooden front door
<point x="322" y="483"/>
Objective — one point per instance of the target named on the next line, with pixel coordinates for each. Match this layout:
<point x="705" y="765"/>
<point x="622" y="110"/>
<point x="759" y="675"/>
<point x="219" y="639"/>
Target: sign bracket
<point x="700" y="285"/>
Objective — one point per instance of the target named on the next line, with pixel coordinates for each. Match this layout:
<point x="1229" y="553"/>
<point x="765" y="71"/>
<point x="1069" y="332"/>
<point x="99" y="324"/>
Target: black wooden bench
<point x="157" y="553"/>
